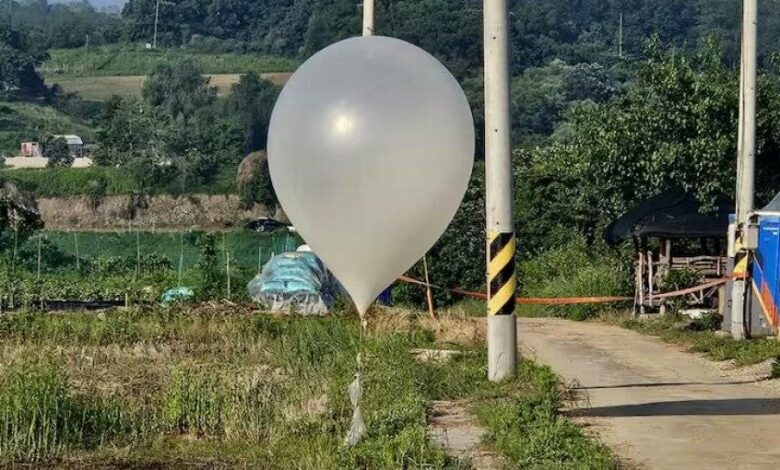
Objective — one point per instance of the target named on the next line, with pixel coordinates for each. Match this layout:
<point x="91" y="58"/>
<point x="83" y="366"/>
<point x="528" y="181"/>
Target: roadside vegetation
<point x="227" y="386"/>
<point x="699" y="336"/>
<point x="525" y="424"/>
<point x="575" y="269"/>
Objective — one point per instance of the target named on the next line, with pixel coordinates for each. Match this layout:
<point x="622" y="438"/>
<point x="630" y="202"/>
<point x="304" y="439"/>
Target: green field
<point x="119" y="61"/>
<point x="103" y="87"/>
<point x="244" y="247"/>
<point x="25" y="121"/>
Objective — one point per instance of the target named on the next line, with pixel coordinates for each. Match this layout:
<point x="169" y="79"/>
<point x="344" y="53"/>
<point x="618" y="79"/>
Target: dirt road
<point x="656" y="406"/>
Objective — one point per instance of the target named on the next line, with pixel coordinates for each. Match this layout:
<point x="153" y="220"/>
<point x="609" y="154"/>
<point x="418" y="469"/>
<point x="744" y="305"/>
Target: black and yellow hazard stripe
<point x="740" y="259"/>
<point x="502" y="283"/>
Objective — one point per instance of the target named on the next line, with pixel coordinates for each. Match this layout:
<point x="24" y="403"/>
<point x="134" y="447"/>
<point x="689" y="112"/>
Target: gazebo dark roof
<point x="774" y="205"/>
<point x="671" y="214"/>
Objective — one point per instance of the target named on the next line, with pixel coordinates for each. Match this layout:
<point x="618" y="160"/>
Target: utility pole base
<point x="502" y="347"/>
<point x="738" y="314"/>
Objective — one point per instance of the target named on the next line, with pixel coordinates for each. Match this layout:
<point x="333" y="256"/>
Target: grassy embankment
<point x="229" y="388"/>
<point x="699" y="336"/>
<point x="66" y="182"/>
<point x="99" y="73"/>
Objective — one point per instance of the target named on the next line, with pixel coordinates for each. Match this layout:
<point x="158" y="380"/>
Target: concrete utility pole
<point x="746" y="164"/>
<point x="156" y="20"/>
<point x="502" y="284"/>
<point x="368" y="17"/>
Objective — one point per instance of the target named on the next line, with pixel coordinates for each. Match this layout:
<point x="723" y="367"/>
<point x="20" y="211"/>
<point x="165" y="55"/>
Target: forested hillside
<point x="598" y="122"/>
<point x="571" y="30"/>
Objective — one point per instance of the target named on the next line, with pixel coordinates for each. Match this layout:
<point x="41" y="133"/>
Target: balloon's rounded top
<point x="370" y="148"/>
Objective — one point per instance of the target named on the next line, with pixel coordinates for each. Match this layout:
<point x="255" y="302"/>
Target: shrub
<point x="57" y="151"/>
<point x="574" y="270"/>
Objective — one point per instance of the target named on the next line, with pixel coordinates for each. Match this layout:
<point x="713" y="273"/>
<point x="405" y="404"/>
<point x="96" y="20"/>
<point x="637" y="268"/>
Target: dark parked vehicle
<point x="265" y="225"/>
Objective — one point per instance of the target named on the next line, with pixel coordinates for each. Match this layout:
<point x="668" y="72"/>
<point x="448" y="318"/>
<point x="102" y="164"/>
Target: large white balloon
<point x="370" y="148"/>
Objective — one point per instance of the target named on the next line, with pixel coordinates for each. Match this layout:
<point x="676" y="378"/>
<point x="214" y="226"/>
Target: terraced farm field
<point x="103" y="87"/>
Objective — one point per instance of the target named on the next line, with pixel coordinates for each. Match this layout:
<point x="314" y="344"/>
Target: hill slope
<point x="27" y="121"/>
<point x="126" y="60"/>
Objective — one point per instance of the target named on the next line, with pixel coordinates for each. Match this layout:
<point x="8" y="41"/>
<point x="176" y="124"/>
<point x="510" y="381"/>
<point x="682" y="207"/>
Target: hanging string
<point x="181" y="256"/>
<point x="355" y="390"/>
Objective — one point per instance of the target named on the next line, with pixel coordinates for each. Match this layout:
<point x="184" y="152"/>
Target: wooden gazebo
<point x="672" y="232"/>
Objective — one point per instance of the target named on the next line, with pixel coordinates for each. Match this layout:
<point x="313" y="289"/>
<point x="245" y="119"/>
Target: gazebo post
<point x="641" y="283"/>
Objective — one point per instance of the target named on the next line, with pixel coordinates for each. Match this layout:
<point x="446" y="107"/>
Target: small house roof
<point x="671" y="214"/>
<point x="71" y="139"/>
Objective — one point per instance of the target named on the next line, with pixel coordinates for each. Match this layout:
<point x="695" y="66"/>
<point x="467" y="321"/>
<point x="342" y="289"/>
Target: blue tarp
<point x="296" y="282"/>
<point x="177" y="294"/>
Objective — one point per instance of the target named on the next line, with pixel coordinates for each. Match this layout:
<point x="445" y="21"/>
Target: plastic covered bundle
<point x="294" y="282"/>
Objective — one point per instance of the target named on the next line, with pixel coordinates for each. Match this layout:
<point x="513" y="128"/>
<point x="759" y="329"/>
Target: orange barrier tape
<point x="577" y="300"/>
<point x="525" y="300"/>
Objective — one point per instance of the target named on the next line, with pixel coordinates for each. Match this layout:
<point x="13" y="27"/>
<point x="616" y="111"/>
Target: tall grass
<point x="223" y="388"/>
<point x="574" y="270"/>
<point x="525" y="424"/>
<point x="210" y="404"/>
<point x="674" y="329"/>
<point x="40" y="419"/>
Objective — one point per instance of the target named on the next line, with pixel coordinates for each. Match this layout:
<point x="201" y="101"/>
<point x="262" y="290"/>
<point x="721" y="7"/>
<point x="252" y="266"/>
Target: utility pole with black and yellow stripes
<point x="746" y="170"/>
<point x="501" y="281"/>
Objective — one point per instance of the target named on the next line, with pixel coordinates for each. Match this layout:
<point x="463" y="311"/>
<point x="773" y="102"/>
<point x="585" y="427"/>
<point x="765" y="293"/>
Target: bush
<point x="57" y="151"/>
<point x="575" y="270"/>
<point x="64" y="182"/>
<point x="97" y="182"/>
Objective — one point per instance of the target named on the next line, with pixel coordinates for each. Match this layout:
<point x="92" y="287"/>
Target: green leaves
<point x="676" y="126"/>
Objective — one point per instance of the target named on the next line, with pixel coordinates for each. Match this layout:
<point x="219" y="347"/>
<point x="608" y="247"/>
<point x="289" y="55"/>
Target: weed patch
<point x="525" y="424"/>
<point x="223" y="387"/>
<point x="702" y="339"/>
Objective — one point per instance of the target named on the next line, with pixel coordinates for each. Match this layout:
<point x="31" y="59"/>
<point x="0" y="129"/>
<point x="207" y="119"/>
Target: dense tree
<point x="180" y="131"/>
<point x="571" y="30"/>
<point x="179" y="88"/>
<point x="62" y="25"/>
<point x="129" y="129"/>
<point x="675" y="127"/>
<point x="19" y="58"/>
<point x="56" y="150"/>
<point x="541" y="96"/>
<point x="19" y="216"/>
<point x="251" y="101"/>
